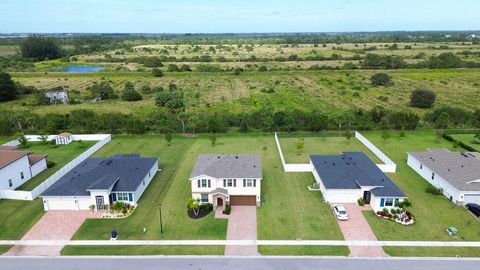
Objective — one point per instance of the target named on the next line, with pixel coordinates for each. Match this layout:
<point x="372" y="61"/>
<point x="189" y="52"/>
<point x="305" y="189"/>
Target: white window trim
<point x="202" y="182"/>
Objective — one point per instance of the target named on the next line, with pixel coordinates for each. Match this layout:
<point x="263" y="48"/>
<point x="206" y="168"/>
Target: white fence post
<point x="305" y="167"/>
<point x="102" y="139"/>
<point x="389" y="166"/>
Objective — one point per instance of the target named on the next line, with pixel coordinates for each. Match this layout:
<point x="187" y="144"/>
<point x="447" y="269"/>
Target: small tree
<point x="44" y="138"/>
<point x="299" y="145"/>
<point x="403" y="205"/>
<point x="156" y="72"/>
<point x="22" y="140"/>
<point x="194" y="204"/>
<point x="348" y="135"/>
<point x="422" y="98"/>
<point x="442" y="120"/>
<point x="385" y="135"/>
<point x="168" y="138"/>
<point x="380" y="79"/>
<point x="213" y="139"/>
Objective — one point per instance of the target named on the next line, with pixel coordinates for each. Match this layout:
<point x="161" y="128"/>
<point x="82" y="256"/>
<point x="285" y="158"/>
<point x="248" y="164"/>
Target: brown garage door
<point x="243" y="200"/>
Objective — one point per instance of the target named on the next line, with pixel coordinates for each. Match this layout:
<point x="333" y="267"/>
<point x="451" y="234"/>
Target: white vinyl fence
<point x="306" y="167"/>
<point x="102" y="139"/>
<point x="389" y="166"/>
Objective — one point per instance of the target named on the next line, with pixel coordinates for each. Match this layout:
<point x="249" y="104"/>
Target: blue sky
<point x="220" y="16"/>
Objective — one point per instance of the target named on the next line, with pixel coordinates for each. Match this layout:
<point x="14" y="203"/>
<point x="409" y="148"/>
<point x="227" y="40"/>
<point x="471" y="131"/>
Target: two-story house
<point x="17" y="167"/>
<point x="227" y="179"/>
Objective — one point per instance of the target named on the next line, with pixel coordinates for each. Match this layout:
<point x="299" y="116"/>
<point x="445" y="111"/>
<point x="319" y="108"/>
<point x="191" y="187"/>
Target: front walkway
<point x="54" y="225"/>
<point x="357" y="228"/>
<point x="242" y="225"/>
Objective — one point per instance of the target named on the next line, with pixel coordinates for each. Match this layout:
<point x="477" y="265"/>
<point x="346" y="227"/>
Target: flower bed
<point x="118" y="210"/>
<point x="403" y="218"/>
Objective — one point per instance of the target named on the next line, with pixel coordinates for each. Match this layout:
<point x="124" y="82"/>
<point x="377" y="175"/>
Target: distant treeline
<point x="165" y="121"/>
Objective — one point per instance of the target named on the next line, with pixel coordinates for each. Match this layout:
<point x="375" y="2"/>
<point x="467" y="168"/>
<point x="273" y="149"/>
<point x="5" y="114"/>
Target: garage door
<point x="243" y="200"/>
<point x="472" y="198"/>
<point x="61" y="204"/>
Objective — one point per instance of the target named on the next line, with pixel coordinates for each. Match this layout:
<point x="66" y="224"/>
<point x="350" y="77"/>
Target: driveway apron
<point x="242" y="225"/>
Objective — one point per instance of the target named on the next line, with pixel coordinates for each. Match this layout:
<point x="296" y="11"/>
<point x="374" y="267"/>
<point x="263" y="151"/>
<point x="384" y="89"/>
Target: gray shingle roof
<point x="351" y="170"/>
<point x="456" y="168"/>
<point x="125" y="172"/>
<point x="228" y="166"/>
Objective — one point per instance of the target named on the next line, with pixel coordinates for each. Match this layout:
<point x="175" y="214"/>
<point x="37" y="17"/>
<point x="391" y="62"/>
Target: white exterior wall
<point x="66" y="203"/>
<point x="39" y="167"/>
<point x="232" y="191"/>
<point x="438" y="181"/>
<point x="63" y="140"/>
<point x="104" y="193"/>
<point x="12" y="171"/>
<point x="375" y="203"/>
<point x="141" y="188"/>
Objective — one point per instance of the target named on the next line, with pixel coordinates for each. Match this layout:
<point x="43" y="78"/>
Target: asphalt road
<point x="261" y="263"/>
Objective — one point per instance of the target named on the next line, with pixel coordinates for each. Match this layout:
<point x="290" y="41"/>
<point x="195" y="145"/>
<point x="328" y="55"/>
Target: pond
<point x="83" y="68"/>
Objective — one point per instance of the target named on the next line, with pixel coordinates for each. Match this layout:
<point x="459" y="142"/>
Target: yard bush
<point x="422" y="98"/>
<point x="228" y="209"/>
<point x="50" y="164"/>
<point x="361" y="202"/>
<point x="380" y="79"/>
<point x="433" y="190"/>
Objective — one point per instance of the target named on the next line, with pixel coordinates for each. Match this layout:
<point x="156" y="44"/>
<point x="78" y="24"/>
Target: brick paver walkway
<point x="54" y="225"/>
<point x="242" y="225"/>
<point x="357" y="228"/>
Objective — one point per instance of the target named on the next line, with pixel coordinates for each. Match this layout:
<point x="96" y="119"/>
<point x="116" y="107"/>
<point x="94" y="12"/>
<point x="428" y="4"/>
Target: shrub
<point x="228" y="209"/>
<point x="131" y="95"/>
<point x="50" y="164"/>
<point x="92" y="207"/>
<point x="361" y="202"/>
<point x="422" y="98"/>
<point x="433" y="190"/>
<point x="157" y="72"/>
<point x="380" y="79"/>
<point x="172" y="68"/>
<point x="207" y="207"/>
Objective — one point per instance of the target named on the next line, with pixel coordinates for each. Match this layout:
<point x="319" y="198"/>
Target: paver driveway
<point x="242" y="225"/>
<point x="54" y="225"/>
<point x="357" y="228"/>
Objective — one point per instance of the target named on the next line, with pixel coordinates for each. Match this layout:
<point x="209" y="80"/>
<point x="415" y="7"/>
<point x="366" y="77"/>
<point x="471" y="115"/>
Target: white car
<point x="340" y="212"/>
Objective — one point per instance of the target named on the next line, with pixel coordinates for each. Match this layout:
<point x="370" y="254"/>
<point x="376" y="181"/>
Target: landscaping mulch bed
<point x="202" y="213"/>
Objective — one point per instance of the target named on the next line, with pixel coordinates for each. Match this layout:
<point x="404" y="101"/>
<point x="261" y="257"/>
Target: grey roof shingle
<point x="351" y="170"/>
<point x="125" y="172"/>
<point x="456" y="168"/>
<point x="228" y="166"/>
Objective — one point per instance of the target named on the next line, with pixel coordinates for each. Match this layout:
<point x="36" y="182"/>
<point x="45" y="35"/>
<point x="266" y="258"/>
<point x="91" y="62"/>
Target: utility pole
<point x="160" y="212"/>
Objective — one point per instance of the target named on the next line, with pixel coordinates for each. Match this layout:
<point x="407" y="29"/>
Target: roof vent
<point x="218" y="157"/>
<point x="236" y="157"/>
<point x="109" y="162"/>
<point x="333" y="163"/>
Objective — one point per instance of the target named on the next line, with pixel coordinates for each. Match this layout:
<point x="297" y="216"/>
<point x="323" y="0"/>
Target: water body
<point x="81" y="69"/>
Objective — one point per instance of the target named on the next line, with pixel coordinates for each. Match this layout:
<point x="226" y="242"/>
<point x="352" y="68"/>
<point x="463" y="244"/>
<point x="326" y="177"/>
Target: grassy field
<point x="433" y="213"/>
<point x="17" y="217"/>
<point x="60" y="154"/>
<point x="468" y="139"/>
<point x="288" y="206"/>
<point x="329" y="91"/>
<point x="432" y="251"/>
<point x="304" y="250"/>
<point x="321" y="146"/>
<point x="142" y="250"/>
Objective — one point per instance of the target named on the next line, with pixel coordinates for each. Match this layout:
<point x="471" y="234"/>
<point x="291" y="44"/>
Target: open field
<point x="467" y="139"/>
<point x="142" y="250"/>
<point x="321" y="146"/>
<point x="60" y="154"/>
<point x="433" y="213"/>
<point x="329" y="91"/>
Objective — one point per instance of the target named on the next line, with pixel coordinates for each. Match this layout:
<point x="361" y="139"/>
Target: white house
<point x="456" y="174"/>
<point x="101" y="182"/>
<point x="57" y="96"/>
<point x="227" y="179"/>
<point x="17" y="167"/>
<point x="64" y="138"/>
<point x="350" y="176"/>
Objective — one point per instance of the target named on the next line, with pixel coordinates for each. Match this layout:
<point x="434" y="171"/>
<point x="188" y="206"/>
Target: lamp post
<point x="160" y="212"/>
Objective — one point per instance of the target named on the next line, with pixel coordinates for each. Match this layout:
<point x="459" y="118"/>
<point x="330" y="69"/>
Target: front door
<point x="100" y="203"/>
<point x="219" y="201"/>
<point x="366" y="196"/>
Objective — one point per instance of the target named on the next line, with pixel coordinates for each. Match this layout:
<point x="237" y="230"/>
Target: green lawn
<point x="467" y="139"/>
<point x="304" y="250"/>
<point x="433" y="251"/>
<point x="143" y="250"/>
<point x="289" y="211"/>
<point x="16" y="217"/>
<point x="60" y="154"/>
<point x="322" y="146"/>
<point x="4" y="249"/>
<point x="433" y="213"/>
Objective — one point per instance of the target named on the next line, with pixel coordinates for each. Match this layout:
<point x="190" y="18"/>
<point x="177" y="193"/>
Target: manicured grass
<point x="433" y="213"/>
<point x="142" y="250"/>
<point x="4" y="249"/>
<point x="170" y="187"/>
<point x="322" y="146"/>
<point x="289" y="210"/>
<point x="433" y="251"/>
<point x="467" y="139"/>
<point x="304" y="250"/>
<point x="16" y="217"/>
<point x="60" y="154"/>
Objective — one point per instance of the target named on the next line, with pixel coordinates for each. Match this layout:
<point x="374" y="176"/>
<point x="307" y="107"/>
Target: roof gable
<point x="228" y="166"/>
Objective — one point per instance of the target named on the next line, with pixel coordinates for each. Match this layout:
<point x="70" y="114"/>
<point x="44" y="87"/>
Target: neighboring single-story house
<point x="100" y="182"/>
<point x="17" y="167"/>
<point x="57" y="96"/>
<point x="227" y="179"/>
<point x="64" y="138"/>
<point x="456" y="174"/>
<point x="350" y="176"/>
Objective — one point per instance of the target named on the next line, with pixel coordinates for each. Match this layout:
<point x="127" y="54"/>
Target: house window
<point x="10" y="184"/>
<point x="249" y="183"/>
<point x="229" y="182"/>
<point x="21" y="175"/>
<point x="433" y="175"/>
<point x="421" y="166"/>
<point x="204" y="182"/>
<point x="389" y="202"/>
<point x="122" y="196"/>
<point x="204" y="198"/>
